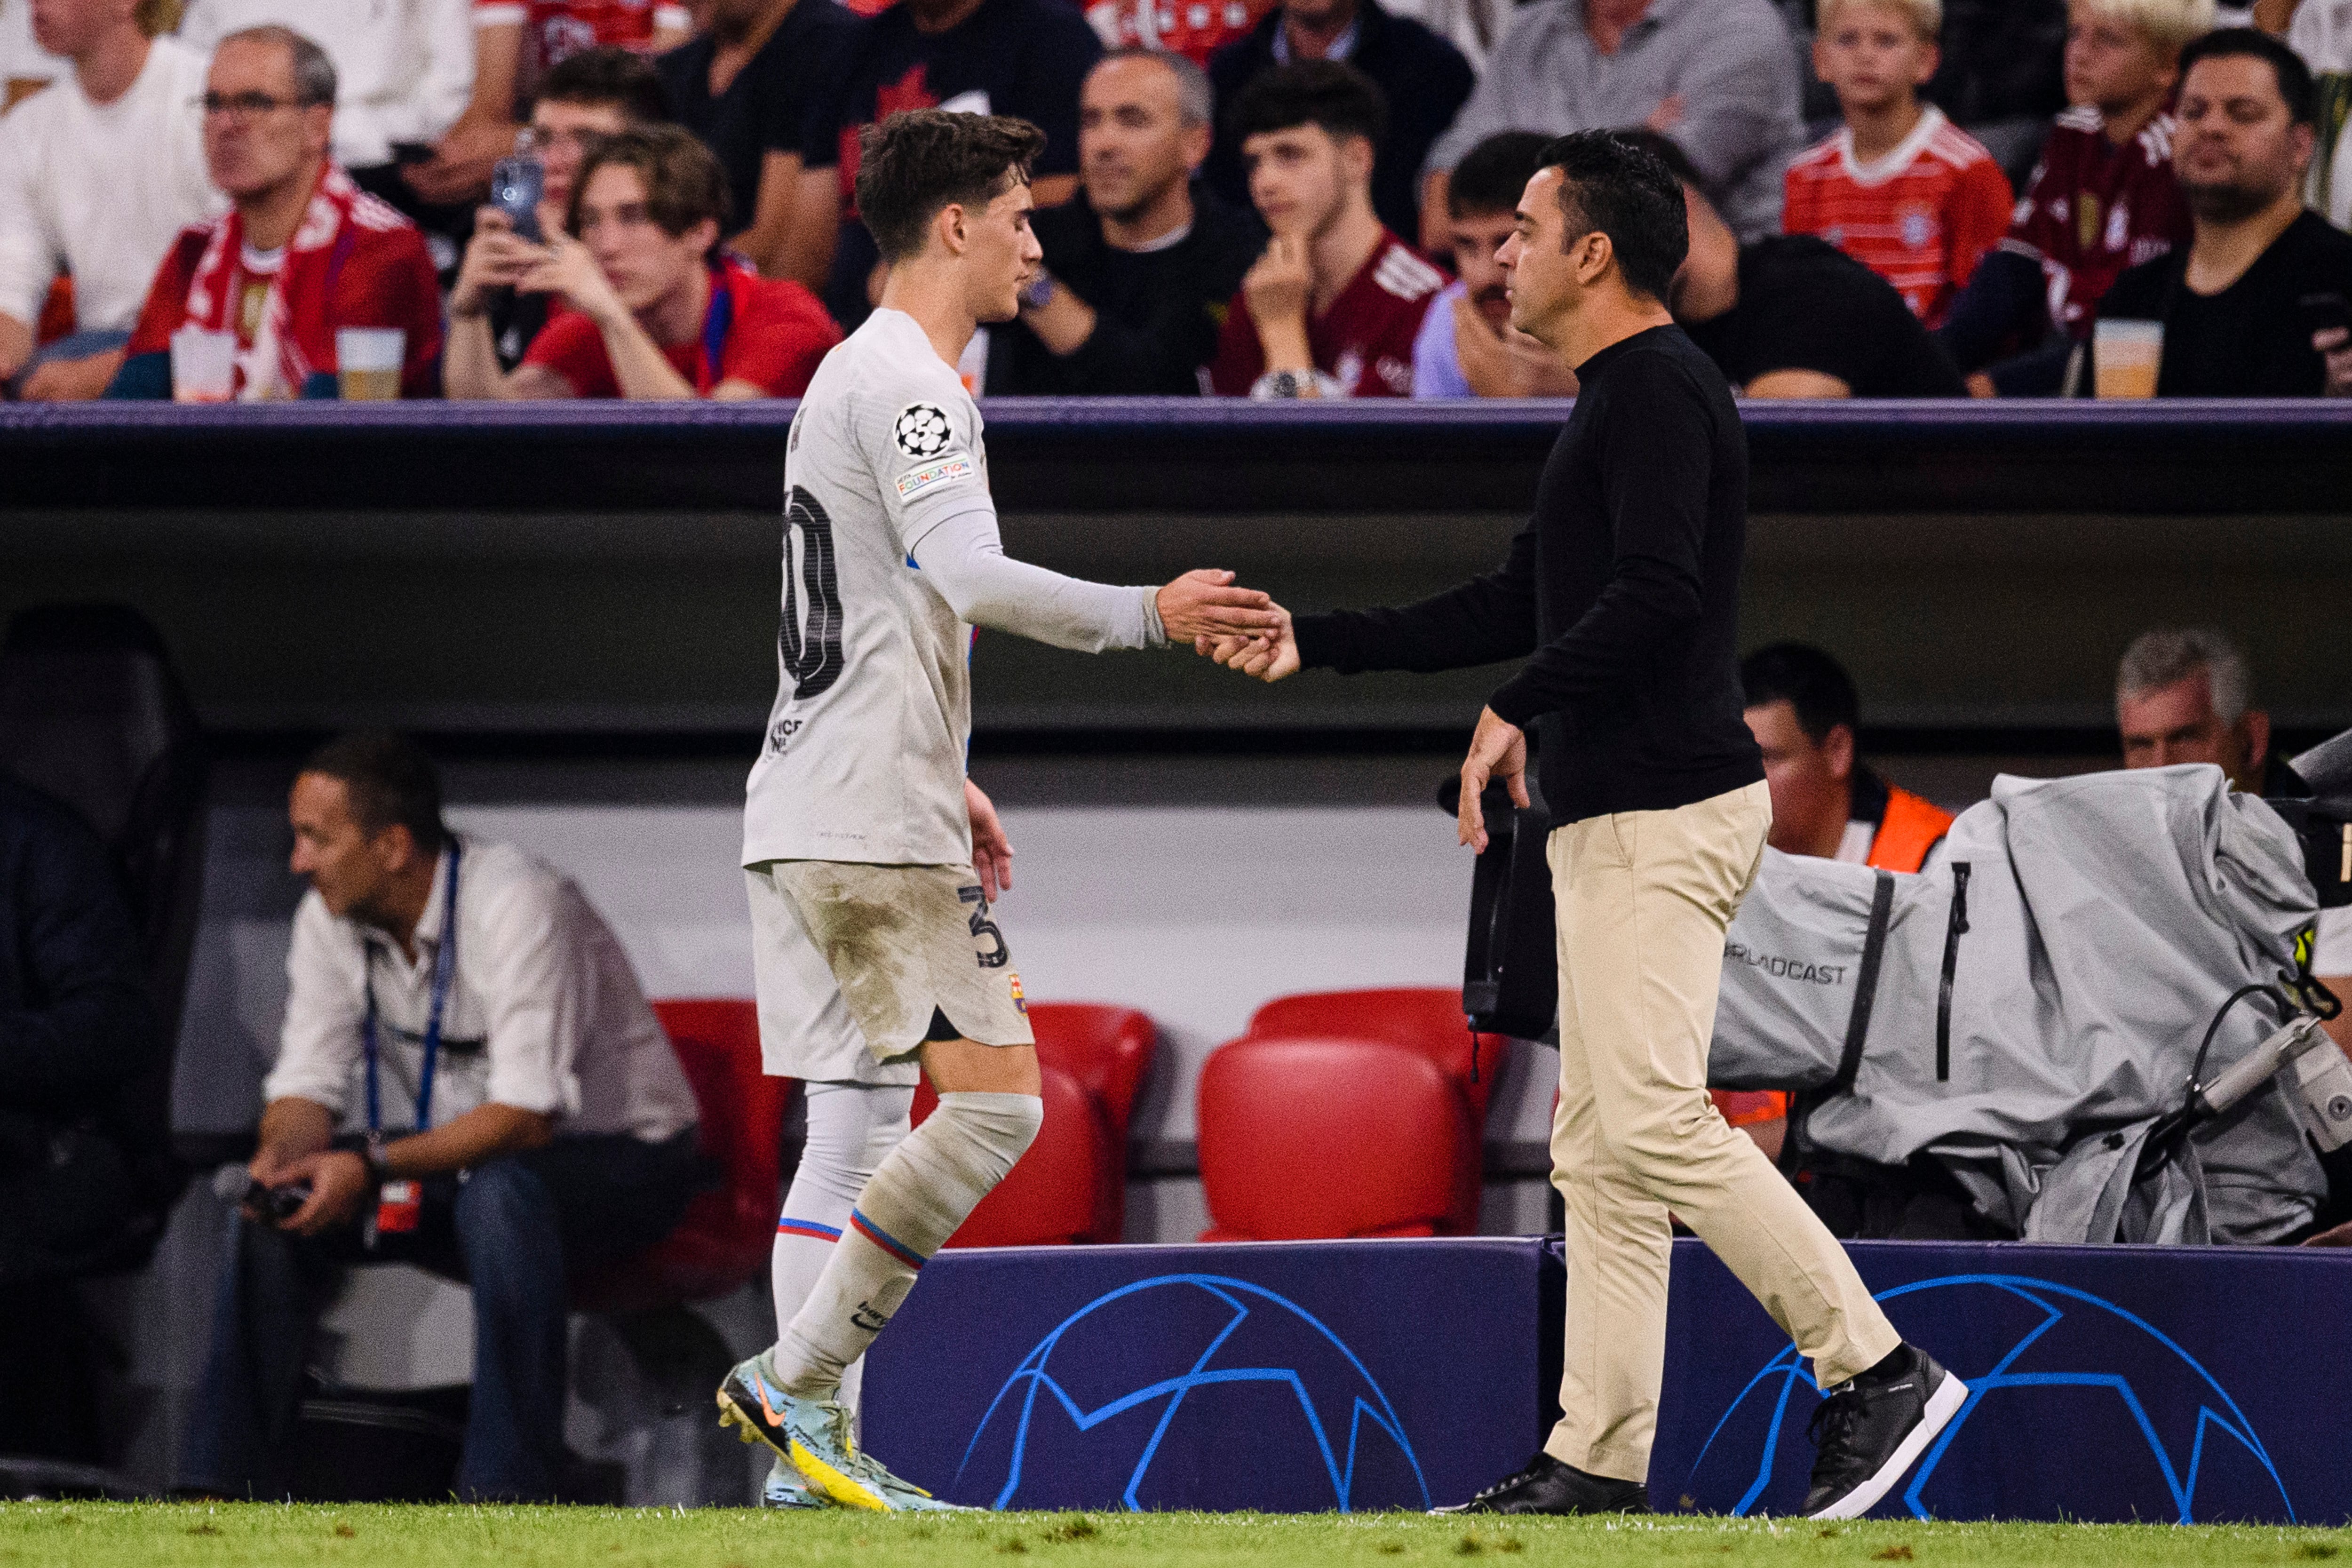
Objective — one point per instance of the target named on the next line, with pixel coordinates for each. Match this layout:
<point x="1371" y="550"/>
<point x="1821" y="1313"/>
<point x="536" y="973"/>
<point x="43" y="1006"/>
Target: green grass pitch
<point x="198" y="1535"/>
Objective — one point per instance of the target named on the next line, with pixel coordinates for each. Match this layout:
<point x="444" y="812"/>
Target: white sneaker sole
<point x="1942" y="1406"/>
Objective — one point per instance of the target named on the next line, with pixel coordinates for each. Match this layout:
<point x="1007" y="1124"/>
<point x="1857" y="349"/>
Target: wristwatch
<point x="371" y="1155"/>
<point x="1039" y="290"/>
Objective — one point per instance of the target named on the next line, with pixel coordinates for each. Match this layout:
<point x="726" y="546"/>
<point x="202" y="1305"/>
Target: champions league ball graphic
<point x="1136" y="1376"/>
<point x="2041" y="1359"/>
<point x="920" y="431"/>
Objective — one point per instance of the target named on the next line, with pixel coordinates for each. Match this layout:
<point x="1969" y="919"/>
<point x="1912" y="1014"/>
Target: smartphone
<point x="516" y="186"/>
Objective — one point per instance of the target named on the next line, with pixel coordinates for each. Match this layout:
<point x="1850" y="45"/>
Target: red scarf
<point x="297" y="335"/>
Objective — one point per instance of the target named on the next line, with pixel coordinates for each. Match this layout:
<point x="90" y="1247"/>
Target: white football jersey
<point x="864" y="756"/>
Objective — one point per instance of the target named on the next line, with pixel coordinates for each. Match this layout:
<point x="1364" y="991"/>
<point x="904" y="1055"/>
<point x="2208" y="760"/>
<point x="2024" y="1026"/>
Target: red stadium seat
<point x="727" y="1233"/>
<point x="1265" y="1192"/>
<point x="1071" y="1186"/>
<point x="1424" y="1018"/>
<point x="1302" y="1136"/>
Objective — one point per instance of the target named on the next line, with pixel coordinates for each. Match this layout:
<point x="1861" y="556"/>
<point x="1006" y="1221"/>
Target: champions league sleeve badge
<point x="921" y="430"/>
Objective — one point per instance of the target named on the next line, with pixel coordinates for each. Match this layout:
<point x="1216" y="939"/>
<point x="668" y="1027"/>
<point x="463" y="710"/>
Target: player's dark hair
<point x="684" y="184"/>
<point x="390" y="782"/>
<point x="920" y="162"/>
<point x="1618" y="182"/>
<point x="622" y="77"/>
<point x="1338" y="96"/>
<point x="2294" y="83"/>
<point x="1807" y="680"/>
<point x="1494" y="175"/>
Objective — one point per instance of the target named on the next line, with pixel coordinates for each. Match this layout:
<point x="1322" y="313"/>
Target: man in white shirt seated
<point x="470" y="1079"/>
<point x="99" y="170"/>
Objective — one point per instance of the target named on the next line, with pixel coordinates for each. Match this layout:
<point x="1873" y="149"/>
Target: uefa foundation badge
<point x="1020" y="1002"/>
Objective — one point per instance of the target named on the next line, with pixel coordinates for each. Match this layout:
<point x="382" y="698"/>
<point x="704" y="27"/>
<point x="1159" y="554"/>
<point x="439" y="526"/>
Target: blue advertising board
<point x="2180" y="1384"/>
<point x="2118" y="1382"/>
<point x="1287" y="1376"/>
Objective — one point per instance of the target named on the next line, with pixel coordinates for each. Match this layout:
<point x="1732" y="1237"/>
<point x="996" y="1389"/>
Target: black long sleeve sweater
<point x="1623" y="587"/>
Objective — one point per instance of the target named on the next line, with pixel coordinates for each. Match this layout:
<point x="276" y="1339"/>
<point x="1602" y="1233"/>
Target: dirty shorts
<point x="853" y="963"/>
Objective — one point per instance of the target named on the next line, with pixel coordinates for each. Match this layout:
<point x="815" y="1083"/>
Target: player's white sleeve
<point x="964" y="557"/>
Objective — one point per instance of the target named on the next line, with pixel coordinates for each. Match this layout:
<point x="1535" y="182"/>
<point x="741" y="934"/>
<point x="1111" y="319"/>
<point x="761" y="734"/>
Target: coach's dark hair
<point x="684" y="184"/>
<point x="1616" y="183"/>
<point x="1338" y="96"/>
<point x="1494" y="175"/>
<point x="2294" y="83"/>
<point x="391" y="782"/>
<point x="622" y="77"/>
<point x="921" y="161"/>
<point x="1806" y="678"/>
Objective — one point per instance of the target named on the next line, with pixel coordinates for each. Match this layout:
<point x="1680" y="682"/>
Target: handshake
<point x="1240" y="628"/>
<point x="1244" y="629"/>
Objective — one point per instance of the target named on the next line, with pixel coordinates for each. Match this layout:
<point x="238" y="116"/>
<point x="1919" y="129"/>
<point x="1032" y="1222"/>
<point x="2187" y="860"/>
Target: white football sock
<point x="923" y="1189"/>
<point x="852" y="1127"/>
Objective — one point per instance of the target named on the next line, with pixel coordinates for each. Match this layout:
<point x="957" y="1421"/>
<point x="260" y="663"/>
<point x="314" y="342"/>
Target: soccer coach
<point x="1623" y="592"/>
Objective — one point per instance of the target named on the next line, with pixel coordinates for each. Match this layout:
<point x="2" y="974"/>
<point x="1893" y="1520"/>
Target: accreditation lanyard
<point x="445" y="971"/>
<point x="717" y="322"/>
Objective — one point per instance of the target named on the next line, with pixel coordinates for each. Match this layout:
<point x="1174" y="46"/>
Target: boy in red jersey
<point x="1901" y="189"/>
<point x="2103" y="198"/>
<point x="1332" y="308"/>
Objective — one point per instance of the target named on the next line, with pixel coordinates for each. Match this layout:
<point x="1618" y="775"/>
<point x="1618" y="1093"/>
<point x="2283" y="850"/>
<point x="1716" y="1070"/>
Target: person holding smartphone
<point x="655" y="308"/>
<point x="2256" y="306"/>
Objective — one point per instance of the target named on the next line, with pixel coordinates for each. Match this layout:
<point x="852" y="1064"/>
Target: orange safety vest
<point x="1913" y="825"/>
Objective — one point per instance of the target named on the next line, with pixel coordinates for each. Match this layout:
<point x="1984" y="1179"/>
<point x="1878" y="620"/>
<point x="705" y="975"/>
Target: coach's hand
<point x="1206" y="604"/>
<point x="1268" y="656"/>
<point x="1497" y="749"/>
<point x="991" y="851"/>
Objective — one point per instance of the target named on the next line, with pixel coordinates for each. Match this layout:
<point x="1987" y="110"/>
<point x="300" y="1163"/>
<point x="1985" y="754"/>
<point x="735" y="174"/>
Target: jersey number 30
<point x="811" y="653"/>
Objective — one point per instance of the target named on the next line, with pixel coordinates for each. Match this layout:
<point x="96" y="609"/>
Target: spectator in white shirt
<point x="404" y="71"/>
<point x="25" y="67"/>
<point x="468" y="1062"/>
<point x="99" y="173"/>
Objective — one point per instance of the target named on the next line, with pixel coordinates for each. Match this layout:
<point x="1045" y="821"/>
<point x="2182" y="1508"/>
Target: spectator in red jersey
<point x="1331" y="310"/>
<point x="1026" y="59"/>
<point x="594" y="94"/>
<point x="1467" y="346"/>
<point x="2102" y="198"/>
<point x="301" y="253"/>
<point x="1193" y="28"/>
<point x="1422" y="78"/>
<point x="516" y="43"/>
<point x="657" y="311"/>
<point x="1901" y="189"/>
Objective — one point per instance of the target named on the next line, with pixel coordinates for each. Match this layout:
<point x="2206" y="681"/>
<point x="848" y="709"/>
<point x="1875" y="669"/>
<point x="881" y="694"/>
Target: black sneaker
<point x="1872" y="1428"/>
<point x="1548" y="1486"/>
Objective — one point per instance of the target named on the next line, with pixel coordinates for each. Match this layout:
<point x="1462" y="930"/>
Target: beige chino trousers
<point x="1643" y="899"/>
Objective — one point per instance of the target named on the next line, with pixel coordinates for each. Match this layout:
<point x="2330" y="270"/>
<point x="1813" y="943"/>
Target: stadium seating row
<point x="1388" y="1086"/>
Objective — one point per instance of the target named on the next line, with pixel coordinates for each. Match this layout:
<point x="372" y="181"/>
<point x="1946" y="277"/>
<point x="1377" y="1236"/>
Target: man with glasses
<point x="97" y="173"/>
<point x="656" y="307"/>
<point x="302" y="252"/>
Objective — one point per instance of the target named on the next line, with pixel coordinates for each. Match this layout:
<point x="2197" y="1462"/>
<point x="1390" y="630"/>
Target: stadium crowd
<point x="1272" y="198"/>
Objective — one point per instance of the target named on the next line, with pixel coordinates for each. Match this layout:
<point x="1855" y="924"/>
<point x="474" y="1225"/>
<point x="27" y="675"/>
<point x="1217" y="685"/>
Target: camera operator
<point x="470" y="1079"/>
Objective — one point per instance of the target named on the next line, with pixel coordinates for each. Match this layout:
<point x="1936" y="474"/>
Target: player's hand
<point x="1498" y="750"/>
<point x="2334" y="345"/>
<point x="1277" y="286"/>
<point x="1267" y="656"/>
<point x="991" y="851"/>
<point x="1206" y="604"/>
<point x="339" y="1185"/>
